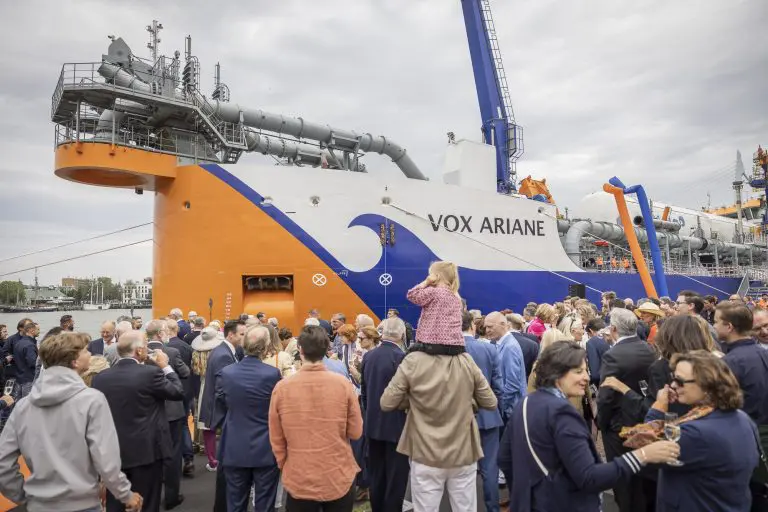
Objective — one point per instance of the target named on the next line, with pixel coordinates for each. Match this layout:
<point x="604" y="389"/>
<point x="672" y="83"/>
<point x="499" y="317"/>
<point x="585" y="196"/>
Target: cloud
<point x="661" y="93"/>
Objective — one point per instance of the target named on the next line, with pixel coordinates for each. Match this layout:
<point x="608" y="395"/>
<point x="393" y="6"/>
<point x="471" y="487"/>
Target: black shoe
<point x="179" y="501"/>
<point x="189" y="469"/>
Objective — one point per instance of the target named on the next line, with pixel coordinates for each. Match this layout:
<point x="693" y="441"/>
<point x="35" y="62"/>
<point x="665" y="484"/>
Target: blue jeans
<point x="488" y="467"/>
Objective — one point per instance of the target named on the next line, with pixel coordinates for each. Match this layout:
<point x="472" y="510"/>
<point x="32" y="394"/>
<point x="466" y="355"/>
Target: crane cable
<point x="76" y="257"/>
<point x="76" y="242"/>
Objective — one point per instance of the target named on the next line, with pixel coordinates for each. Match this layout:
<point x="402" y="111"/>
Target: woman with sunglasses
<point x="718" y="442"/>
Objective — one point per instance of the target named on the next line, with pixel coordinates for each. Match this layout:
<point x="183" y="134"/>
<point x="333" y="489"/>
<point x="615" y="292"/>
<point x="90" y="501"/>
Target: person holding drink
<point x="718" y="442"/>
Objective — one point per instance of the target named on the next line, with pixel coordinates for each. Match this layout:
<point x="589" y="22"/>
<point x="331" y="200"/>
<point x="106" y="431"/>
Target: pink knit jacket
<point x="440" y="320"/>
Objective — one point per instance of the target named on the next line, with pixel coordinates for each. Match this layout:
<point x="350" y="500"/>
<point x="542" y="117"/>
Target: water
<point x="85" y="321"/>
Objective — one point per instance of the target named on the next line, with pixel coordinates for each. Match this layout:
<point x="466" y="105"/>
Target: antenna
<point x="154" y="39"/>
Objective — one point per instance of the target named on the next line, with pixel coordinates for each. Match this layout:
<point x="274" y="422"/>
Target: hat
<point x="649" y="307"/>
<point x="208" y="340"/>
<point x="192" y="314"/>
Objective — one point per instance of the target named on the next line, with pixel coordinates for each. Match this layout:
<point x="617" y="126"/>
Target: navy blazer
<point x="596" y="347"/>
<point x="563" y="443"/>
<point x="185" y="351"/>
<point x="379" y="366"/>
<point x="719" y="452"/>
<point x="749" y="363"/>
<point x="184" y="328"/>
<point x="486" y="358"/>
<point x="25" y="359"/>
<point x="529" y="344"/>
<point x="210" y="414"/>
<point x="96" y="347"/>
<point x="244" y="391"/>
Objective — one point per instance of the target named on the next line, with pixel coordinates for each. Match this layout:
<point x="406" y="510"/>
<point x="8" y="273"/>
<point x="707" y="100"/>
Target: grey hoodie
<point x="65" y="432"/>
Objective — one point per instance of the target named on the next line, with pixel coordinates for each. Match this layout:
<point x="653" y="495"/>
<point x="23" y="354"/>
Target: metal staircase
<point x="515" y="145"/>
<point x="227" y="138"/>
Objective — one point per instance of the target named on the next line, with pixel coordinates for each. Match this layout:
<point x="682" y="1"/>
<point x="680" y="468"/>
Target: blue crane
<point x="499" y="127"/>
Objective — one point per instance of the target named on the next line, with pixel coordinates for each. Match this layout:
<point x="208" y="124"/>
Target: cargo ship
<point x="318" y="232"/>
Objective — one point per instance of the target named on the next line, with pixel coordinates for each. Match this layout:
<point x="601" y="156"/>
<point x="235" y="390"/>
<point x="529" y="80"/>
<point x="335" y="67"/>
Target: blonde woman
<point x="202" y="346"/>
<point x="274" y="355"/>
<point x="96" y="365"/>
<point x="549" y="338"/>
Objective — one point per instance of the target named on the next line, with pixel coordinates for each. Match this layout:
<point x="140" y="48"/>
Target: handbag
<point x="528" y="439"/>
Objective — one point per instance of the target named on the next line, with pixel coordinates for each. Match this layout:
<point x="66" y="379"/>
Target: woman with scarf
<point x="718" y="443"/>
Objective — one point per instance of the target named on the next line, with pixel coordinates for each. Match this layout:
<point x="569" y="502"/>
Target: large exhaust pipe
<point x="297" y="127"/>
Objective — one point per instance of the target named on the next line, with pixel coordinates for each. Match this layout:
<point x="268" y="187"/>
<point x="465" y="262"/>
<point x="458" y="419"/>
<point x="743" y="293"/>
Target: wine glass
<point x="672" y="432"/>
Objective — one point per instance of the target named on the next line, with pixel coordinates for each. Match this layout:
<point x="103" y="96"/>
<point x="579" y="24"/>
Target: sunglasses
<point x="680" y="382"/>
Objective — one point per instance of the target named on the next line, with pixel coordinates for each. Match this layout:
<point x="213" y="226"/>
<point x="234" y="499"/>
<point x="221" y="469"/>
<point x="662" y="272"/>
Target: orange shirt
<point x="312" y="417"/>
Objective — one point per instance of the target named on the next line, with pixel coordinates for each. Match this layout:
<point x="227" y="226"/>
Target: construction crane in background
<point x="759" y="180"/>
<point x="499" y="128"/>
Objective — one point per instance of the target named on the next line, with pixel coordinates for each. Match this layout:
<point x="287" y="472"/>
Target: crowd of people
<point x="664" y="402"/>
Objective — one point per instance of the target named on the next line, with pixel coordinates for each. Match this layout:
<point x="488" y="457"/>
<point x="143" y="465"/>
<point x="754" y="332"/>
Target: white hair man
<point x="511" y="362"/>
<point x="273" y="322"/>
<point x="111" y="352"/>
<point x="627" y="361"/>
<point x="136" y="394"/>
<point x="312" y="321"/>
<point x="245" y="391"/>
<point x="388" y="468"/>
<point x="184" y="327"/>
<point x="760" y="326"/>
<point x="363" y="320"/>
<point x="97" y="346"/>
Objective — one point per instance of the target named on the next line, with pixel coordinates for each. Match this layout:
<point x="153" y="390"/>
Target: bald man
<point x="136" y="393"/>
<point x="97" y="346"/>
<point x="110" y="352"/>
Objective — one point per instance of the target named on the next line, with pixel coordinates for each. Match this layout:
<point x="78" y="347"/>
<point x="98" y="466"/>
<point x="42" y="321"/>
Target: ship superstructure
<point x="318" y="231"/>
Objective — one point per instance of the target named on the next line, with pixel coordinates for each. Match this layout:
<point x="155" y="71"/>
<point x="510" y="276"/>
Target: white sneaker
<point x="210" y="468"/>
<point x="502" y="480"/>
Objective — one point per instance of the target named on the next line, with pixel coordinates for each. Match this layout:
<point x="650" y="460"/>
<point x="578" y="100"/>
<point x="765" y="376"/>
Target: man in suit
<point x="198" y="324"/>
<point x="511" y="362"/>
<point x="136" y="393"/>
<point x="628" y="360"/>
<point x="388" y="469"/>
<point x="244" y="392"/>
<point x="157" y="335"/>
<point x="529" y="343"/>
<point x="184" y="328"/>
<point x="110" y="351"/>
<point x="185" y="351"/>
<point x="97" y="346"/>
<point x="596" y="347"/>
<point x="211" y="411"/>
<point x="489" y="422"/>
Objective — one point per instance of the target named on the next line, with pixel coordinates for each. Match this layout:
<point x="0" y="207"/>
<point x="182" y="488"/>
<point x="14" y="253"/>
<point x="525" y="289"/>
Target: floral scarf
<point x="647" y="433"/>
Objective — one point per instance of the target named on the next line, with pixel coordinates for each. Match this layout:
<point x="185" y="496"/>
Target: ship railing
<point x="701" y="270"/>
<point x="58" y="92"/>
<point x="135" y="135"/>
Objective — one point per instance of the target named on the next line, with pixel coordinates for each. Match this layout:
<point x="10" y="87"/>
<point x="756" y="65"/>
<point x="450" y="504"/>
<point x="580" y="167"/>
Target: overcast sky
<point x="657" y="92"/>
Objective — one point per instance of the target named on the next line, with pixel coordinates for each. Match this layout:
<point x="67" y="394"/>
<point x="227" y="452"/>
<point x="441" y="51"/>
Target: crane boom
<point x="498" y="119"/>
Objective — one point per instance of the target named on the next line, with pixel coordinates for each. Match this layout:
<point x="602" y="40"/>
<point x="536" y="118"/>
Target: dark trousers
<point x="488" y="467"/>
<point x="220" y="501"/>
<point x="637" y="494"/>
<point x="172" y="466"/>
<point x="343" y="504"/>
<point x="388" y="472"/>
<point x="187" y="452"/>
<point x="239" y="482"/>
<point x="147" y="481"/>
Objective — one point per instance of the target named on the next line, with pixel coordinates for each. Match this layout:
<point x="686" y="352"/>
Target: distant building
<point x="137" y="291"/>
<point x="46" y="295"/>
<point x="73" y="283"/>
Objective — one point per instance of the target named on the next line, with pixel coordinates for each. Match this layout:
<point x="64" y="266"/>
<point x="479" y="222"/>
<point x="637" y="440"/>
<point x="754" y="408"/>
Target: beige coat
<point x="441" y="394"/>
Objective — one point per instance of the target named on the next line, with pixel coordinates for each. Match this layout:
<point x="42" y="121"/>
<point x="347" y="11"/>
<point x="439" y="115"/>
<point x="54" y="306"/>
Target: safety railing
<point x="174" y="142"/>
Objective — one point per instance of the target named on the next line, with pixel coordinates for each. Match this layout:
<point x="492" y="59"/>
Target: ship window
<point x="268" y="283"/>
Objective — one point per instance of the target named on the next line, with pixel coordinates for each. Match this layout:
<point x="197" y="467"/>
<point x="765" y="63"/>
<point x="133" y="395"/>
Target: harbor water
<point x="85" y="321"/>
